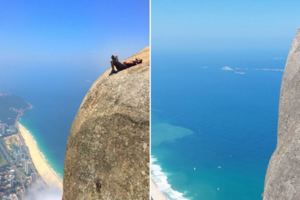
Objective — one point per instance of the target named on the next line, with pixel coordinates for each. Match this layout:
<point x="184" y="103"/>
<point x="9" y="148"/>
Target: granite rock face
<point x="282" y="181"/>
<point x="108" y="148"/>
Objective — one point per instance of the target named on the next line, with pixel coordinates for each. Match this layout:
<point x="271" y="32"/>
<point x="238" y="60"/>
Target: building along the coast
<point x="17" y="172"/>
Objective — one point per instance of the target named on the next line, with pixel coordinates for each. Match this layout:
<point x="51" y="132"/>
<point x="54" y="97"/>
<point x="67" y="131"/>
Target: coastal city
<point x="17" y="171"/>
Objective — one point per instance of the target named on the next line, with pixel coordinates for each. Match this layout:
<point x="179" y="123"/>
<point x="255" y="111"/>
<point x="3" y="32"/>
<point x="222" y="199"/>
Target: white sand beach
<point x="46" y="172"/>
<point x="155" y="193"/>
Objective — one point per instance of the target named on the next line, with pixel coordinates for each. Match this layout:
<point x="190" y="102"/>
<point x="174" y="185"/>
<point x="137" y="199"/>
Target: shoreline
<point x="160" y="188"/>
<point x="46" y="172"/>
<point x="155" y="193"/>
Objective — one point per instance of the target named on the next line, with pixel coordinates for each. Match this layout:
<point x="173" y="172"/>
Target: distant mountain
<point x="108" y="147"/>
<point x="283" y="177"/>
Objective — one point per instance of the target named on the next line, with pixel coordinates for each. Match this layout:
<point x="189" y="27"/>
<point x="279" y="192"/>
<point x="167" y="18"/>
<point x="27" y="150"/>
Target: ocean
<point x="55" y="92"/>
<point x="214" y="122"/>
<point x="214" y="119"/>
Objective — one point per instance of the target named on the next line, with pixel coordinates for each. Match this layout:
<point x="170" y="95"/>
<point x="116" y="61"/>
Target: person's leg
<point x="112" y="67"/>
<point x="119" y="66"/>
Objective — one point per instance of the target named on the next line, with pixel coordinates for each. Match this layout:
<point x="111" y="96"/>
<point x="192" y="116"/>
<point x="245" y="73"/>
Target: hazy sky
<point x="71" y="30"/>
<point x="205" y="25"/>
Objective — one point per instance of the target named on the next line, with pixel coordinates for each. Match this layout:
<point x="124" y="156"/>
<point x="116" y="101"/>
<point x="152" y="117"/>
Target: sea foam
<point x="161" y="181"/>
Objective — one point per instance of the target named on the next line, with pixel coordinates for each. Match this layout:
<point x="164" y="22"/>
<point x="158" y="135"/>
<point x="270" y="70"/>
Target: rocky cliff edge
<point x="108" y="148"/>
<point x="282" y="181"/>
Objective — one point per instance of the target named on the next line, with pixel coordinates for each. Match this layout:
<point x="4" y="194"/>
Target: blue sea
<point x="214" y="118"/>
<point x="55" y="91"/>
<point x="214" y="122"/>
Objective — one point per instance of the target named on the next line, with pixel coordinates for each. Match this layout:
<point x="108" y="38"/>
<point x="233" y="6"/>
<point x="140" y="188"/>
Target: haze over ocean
<point x="216" y="74"/>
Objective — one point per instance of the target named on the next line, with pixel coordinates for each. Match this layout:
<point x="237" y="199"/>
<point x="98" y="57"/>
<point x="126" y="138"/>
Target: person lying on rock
<point x="117" y="66"/>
